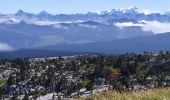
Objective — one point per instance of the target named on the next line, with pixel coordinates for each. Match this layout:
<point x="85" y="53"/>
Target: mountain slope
<point x="139" y="44"/>
<point x="23" y="35"/>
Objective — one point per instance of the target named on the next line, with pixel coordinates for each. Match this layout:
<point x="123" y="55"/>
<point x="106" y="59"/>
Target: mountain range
<point x="112" y="32"/>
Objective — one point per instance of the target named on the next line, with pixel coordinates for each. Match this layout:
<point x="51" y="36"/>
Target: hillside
<point x="23" y="35"/>
<point x="138" y="45"/>
<point x="154" y="43"/>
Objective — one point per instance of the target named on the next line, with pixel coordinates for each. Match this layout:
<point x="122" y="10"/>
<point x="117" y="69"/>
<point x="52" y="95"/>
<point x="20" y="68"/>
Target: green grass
<point x="153" y="94"/>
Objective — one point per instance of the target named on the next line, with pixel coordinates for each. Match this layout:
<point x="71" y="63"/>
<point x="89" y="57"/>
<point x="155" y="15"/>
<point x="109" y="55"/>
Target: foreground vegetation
<point x="82" y="75"/>
<point x="152" y="94"/>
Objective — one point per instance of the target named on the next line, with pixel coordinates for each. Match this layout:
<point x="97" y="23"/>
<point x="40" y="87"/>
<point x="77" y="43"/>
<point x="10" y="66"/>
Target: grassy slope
<point x="153" y="94"/>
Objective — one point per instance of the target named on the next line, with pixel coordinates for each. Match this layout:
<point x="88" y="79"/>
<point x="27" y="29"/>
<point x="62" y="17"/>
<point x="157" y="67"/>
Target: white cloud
<point x="88" y="26"/>
<point x="5" y="47"/>
<point x="156" y="27"/>
<point x="153" y="26"/>
<point x="58" y="26"/>
<point x="44" y="23"/>
<point x="126" y="24"/>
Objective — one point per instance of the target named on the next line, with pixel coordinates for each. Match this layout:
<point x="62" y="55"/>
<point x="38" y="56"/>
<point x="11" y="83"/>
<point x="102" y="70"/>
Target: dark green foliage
<point x="70" y="75"/>
<point x="26" y="97"/>
<point x="1" y="92"/>
<point x="11" y="80"/>
<point x="14" y="97"/>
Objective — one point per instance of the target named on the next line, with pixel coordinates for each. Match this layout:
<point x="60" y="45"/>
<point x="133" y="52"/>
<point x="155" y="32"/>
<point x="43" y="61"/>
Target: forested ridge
<point x="74" y="76"/>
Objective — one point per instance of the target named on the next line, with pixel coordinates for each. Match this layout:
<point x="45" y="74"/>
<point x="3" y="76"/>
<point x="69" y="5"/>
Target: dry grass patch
<point x="153" y="94"/>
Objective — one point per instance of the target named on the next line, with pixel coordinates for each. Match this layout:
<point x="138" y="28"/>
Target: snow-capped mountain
<point x="24" y="30"/>
<point x="121" y="11"/>
<point x="114" y="14"/>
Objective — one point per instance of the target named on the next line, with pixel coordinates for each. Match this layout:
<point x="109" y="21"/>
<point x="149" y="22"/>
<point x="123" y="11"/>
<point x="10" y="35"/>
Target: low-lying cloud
<point x="5" y="47"/>
<point x="156" y="27"/>
<point x="127" y="24"/>
<point x="153" y="26"/>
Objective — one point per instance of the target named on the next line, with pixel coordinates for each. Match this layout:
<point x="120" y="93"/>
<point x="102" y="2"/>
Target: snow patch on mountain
<point x="147" y="12"/>
<point x="130" y="9"/>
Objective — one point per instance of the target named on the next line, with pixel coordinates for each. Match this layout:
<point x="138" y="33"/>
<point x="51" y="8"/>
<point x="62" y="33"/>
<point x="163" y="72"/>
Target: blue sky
<point x="78" y="6"/>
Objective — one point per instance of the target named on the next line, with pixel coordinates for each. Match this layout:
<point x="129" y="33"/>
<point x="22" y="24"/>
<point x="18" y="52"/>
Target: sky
<point x="79" y="6"/>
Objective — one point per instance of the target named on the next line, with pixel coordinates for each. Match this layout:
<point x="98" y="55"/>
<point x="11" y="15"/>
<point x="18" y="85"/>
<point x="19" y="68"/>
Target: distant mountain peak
<point x="118" y="11"/>
<point x="19" y="12"/>
<point x="22" y="13"/>
<point x="167" y="12"/>
<point x="44" y="13"/>
<point x="130" y="9"/>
